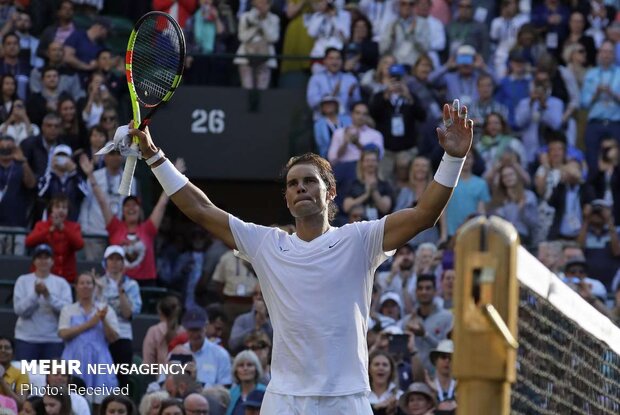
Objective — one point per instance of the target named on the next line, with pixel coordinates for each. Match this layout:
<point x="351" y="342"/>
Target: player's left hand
<point x="457" y="135"/>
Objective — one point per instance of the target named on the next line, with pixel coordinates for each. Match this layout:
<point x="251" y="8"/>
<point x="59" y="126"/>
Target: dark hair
<point x="364" y="19"/>
<point x="426" y="277"/>
<point x="99" y="129"/>
<point x="170" y="308"/>
<point x="129" y="406"/>
<point x="332" y="49"/>
<point x="14" y="96"/>
<point x="63" y="397"/>
<point x="37" y="404"/>
<point x="59" y="198"/>
<point x="102" y="51"/>
<point x="167" y="403"/>
<point x="357" y="104"/>
<point x="47" y="69"/>
<point x="5" y="37"/>
<point x="502" y="121"/>
<point x="214" y="311"/>
<point x="75" y="125"/>
<point x="10" y="340"/>
<point x="325" y="171"/>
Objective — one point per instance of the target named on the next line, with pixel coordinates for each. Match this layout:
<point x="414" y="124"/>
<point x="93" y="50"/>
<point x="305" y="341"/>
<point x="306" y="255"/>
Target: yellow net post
<point x="485" y="311"/>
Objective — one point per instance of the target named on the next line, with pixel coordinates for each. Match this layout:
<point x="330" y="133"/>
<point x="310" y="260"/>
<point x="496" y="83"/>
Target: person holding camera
<point x="396" y="112"/>
<point x="330" y="27"/>
<point x="408" y="36"/>
<point x="16" y="178"/>
<point x="606" y="179"/>
<point x="17" y="124"/>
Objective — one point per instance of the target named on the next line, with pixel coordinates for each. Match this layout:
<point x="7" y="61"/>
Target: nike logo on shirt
<point x="334" y="244"/>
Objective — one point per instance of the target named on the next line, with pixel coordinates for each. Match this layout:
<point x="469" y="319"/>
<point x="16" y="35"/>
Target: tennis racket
<point x="154" y="66"/>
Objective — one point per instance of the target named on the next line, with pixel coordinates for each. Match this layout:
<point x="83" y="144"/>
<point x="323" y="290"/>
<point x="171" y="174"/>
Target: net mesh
<point x="562" y="369"/>
<point x="155" y="59"/>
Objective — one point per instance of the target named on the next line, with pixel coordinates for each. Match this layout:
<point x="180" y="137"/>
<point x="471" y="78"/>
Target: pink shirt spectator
<point x="367" y="136"/>
<point x="9" y="403"/>
<point x="155" y="347"/>
<point x="139" y="247"/>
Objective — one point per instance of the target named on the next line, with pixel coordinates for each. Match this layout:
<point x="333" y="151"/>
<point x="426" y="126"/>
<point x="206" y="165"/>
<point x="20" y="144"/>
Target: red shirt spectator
<point x="181" y="10"/>
<point x="64" y="236"/>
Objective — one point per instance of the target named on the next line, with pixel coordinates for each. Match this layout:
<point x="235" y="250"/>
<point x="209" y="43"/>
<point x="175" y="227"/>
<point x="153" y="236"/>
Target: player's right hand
<point x="147" y="146"/>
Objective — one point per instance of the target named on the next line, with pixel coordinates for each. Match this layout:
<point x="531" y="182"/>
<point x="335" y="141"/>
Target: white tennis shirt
<point x="318" y="296"/>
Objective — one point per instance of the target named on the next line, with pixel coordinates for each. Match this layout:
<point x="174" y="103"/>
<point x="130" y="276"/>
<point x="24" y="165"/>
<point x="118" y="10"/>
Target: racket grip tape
<point x="130" y="167"/>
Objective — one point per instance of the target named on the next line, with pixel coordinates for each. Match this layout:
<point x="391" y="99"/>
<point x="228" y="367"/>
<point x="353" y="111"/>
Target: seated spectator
<point x="399" y="274"/>
<point x="569" y="199"/>
<point x="8" y="94"/>
<point x="15" y="64"/>
<point x="212" y="361"/>
<point x="530" y="43"/>
<point x="593" y="290"/>
<point x="28" y="43"/>
<point x="117" y="404"/>
<point x="443" y="384"/>
<point x="64" y="236"/>
<point x="486" y="103"/>
<point x="419" y="399"/>
<point x="330" y="26"/>
<point x="79" y="404"/>
<point x="69" y="81"/>
<point x="515" y="85"/>
<point x="87" y="328"/>
<point x="40" y="103"/>
<point x="105" y="64"/>
<point x="599" y="238"/>
<point x="58" y="31"/>
<point x="121" y="293"/>
<point x="171" y="407"/>
<point x="391" y="309"/>
<point x="18" y="124"/>
<point x="429" y="323"/>
<point x="195" y="403"/>
<point x="407" y="36"/>
<point x="383" y="375"/>
<point x="151" y="402"/>
<point x="513" y="202"/>
<point x="247" y="372"/>
<point x="37" y="149"/>
<point x="109" y="118"/>
<point x="260" y="343"/>
<point x="16" y="180"/>
<point x="332" y="81"/>
<point x="328" y="122"/>
<point x="377" y="79"/>
<point x="361" y="52"/>
<point x="13" y="383"/>
<point x="155" y="347"/>
<point x="495" y="141"/>
<point x="57" y="403"/>
<point x="236" y="280"/>
<point x="97" y="138"/>
<point x="38" y="298"/>
<point x="217" y="321"/>
<point x="508" y="157"/>
<point x="73" y="128"/>
<point x="369" y="189"/>
<point x="446" y="282"/>
<point x="606" y="179"/>
<point x="33" y="405"/>
<point x="109" y="178"/>
<point x="397" y="113"/>
<point x="259" y="30"/>
<point x="98" y="99"/>
<point x="549" y="173"/>
<point x="63" y="178"/>
<point x="348" y="143"/>
<point x="82" y="47"/>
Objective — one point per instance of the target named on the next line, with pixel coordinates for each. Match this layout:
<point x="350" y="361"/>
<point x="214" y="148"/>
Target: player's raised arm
<point x="456" y="140"/>
<point x="189" y="199"/>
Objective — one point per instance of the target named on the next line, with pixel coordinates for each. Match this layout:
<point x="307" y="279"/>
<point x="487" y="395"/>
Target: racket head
<point x="155" y="59"/>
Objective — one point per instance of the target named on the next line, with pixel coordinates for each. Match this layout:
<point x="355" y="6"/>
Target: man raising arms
<point x="317" y="283"/>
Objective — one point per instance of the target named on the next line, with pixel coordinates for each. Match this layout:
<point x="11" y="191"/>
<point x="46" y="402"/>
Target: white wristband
<point x="169" y="177"/>
<point x="157" y="156"/>
<point x="449" y="170"/>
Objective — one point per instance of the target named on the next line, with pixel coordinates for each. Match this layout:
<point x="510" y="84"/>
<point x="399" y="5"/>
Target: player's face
<point x="306" y="193"/>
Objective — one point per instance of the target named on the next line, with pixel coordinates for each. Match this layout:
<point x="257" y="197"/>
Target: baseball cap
<point x="62" y="149"/>
<point x="390" y="296"/>
<point x="42" y="249"/>
<point x="254" y="399"/>
<point x="114" y="249"/>
<point x="419" y="388"/>
<point x="329" y="98"/>
<point x="194" y="318"/>
<point x="601" y="202"/>
<point x="445" y="346"/>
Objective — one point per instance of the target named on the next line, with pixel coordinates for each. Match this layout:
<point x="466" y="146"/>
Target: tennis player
<point x="317" y="282"/>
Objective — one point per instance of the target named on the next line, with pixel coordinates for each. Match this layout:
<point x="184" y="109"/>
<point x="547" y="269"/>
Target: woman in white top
<point x="384" y="391"/>
<point x="18" y="125"/>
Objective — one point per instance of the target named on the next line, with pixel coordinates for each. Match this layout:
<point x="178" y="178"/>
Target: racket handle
<point x="130" y="167"/>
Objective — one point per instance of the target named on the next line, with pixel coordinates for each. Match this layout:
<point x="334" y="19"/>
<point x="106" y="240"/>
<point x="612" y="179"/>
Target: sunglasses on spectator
<point x="258" y="346"/>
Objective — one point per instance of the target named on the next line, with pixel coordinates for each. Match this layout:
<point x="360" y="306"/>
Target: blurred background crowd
<point x="102" y="278"/>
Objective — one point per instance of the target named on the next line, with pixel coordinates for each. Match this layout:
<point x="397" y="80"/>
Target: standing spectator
<point x="28" y="44"/>
<point x="515" y="86"/>
<point x="38" y="149"/>
<point x="369" y="189"/>
<point x="259" y="30"/>
<point x="91" y="217"/>
<point x="420" y="175"/>
<point x="470" y="196"/>
<point x="381" y="14"/>
<point x="69" y="81"/>
<point x="443" y="384"/>
<point x="82" y="47"/>
<point x="87" y="328"/>
<point x="600" y="95"/>
<point x="122" y="294"/>
<point x="17" y="124"/>
<point x="333" y="82"/>
<point x="254" y="321"/>
<point x="13" y="63"/>
<point x="329" y="26"/>
<point x="38" y="298"/>
<point x="58" y="32"/>
<point x="16" y="179"/>
<point x="504" y="30"/>
<point x="131" y="232"/>
<point x="7" y="16"/>
<point x="486" y="102"/>
<point x="97" y="138"/>
<point x="297" y="41"/>
<point x="63" y="178"/>
<point x="576" y="36"/>
<point x="361" y="52"/>
<point x="247" y="372"/>
<point x="12" y="382"/>
<point x="465" y="30"/>
<point x="8" y="94"/>
<point x="212" y="361"/>
<point x="180" y="10"/>
<point x="383" y="376"/>
<point x="513" y="202"/>
<point x="606" y="180"/>
<point x="446" y="282"/>
<point x="64" y="236"/>
<point x="236" y="280"/>
<point x="551" y="19"/>
<point x="328" y="122"/>
<point x="396" y="112"/>
<point x="377" y="79"/>
<point x="207" y="26"/>
<point x="105" y="64"/>
<point x="73" y="128"/>
<point x="406" y="37"/>
<point x="155" y="346"/>
<point x="399" y="274"/>
<point x="96" y="102"/>
<point x="538" y="114"/>
<point x="40" y="103"/>
<point x="436" y="29"/>
<point x="550" y="166"/>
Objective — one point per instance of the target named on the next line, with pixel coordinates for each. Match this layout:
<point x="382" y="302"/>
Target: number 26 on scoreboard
<point x="204" y="121"/>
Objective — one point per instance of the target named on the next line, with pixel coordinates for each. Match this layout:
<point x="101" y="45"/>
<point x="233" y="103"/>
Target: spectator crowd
<point x="540" y="78"/>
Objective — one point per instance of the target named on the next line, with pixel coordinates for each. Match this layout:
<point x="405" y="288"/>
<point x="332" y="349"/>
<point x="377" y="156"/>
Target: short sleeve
<point x="371" y="233"/>
<point x="248" y="236"/>
<point x="111" y="319"/>
<point x="64" y="321"/>
<point x="149" y="228"/>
